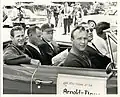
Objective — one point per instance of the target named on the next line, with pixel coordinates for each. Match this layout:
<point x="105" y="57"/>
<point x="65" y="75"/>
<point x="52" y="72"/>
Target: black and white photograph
<point x="59" y="47"/>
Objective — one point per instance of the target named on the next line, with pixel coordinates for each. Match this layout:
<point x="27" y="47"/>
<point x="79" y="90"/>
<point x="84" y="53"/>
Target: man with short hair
<point x="98" y="60"/>
<point x="14" y="52"/>
<point x="49" y="47"/>
<point x="100" y="40"/>
<point x="100" y="37"/>
<point x="77" y="56"/>
<point x="34" y="34"/>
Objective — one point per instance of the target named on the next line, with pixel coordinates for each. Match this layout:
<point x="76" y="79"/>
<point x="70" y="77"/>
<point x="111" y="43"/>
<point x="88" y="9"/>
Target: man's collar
<point x="45" y="40"/>
<point x="34" y="46"/>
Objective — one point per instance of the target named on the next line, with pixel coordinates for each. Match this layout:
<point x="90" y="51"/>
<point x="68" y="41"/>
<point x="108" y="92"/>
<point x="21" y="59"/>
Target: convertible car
<point x="30" y="79"/>
<point x="27" y="79"/>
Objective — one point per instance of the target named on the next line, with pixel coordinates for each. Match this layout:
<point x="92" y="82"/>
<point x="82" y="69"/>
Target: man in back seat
<point x="49" y="47"/>
<point x="14" y="52"/>
<point x="32" y="48"/>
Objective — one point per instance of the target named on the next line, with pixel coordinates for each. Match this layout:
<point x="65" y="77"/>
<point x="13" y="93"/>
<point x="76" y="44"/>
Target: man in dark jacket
<point x="34" y="34"/>
<point x="49" y="47"/>
<point x="77" y="56"/>
<point x="56" y="13"/>
<point x="14" y="52"/>
<point x="98" y="60"/>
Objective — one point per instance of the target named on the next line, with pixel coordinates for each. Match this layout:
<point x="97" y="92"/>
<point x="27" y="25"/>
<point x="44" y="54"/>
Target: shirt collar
<point x="34" y="46"/>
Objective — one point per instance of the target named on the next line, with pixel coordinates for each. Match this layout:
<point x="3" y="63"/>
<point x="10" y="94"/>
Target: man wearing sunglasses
<point x="98" y="60"/>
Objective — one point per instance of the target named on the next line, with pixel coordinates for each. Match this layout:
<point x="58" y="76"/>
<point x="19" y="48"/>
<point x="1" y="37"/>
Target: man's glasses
<point x="89" y="30"/>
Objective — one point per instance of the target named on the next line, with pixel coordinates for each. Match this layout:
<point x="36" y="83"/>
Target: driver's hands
<point x="35" y="62"/>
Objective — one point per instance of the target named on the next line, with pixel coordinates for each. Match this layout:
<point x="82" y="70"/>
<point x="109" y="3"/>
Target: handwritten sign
<point x="80" y="85"/>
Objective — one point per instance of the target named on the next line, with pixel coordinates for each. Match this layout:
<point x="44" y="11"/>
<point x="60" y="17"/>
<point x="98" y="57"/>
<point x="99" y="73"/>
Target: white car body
<point x="34" y="18"/>
<point x="96" y="18"/>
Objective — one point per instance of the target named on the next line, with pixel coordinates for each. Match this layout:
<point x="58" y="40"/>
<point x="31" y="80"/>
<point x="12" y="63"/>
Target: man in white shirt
<point x="100" y="40"/>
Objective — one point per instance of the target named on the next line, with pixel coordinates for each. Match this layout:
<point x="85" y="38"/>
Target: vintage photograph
<point x="60" y="47"/>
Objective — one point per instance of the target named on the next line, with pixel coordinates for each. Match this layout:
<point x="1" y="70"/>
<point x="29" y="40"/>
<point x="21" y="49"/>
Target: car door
<point x="27" y="79"/>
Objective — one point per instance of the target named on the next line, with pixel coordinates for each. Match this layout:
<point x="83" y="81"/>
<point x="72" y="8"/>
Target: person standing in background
<point x="67" y="18"/>
<point x="49" y="14"/>
<point x="4" y="14"/>
<point x="61" y="14"/>
<point x="78" y="15"/>
<point x="56" y="13"/>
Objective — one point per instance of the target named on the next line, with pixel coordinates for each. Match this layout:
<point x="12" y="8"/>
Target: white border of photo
<point x="39" y="95"/>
